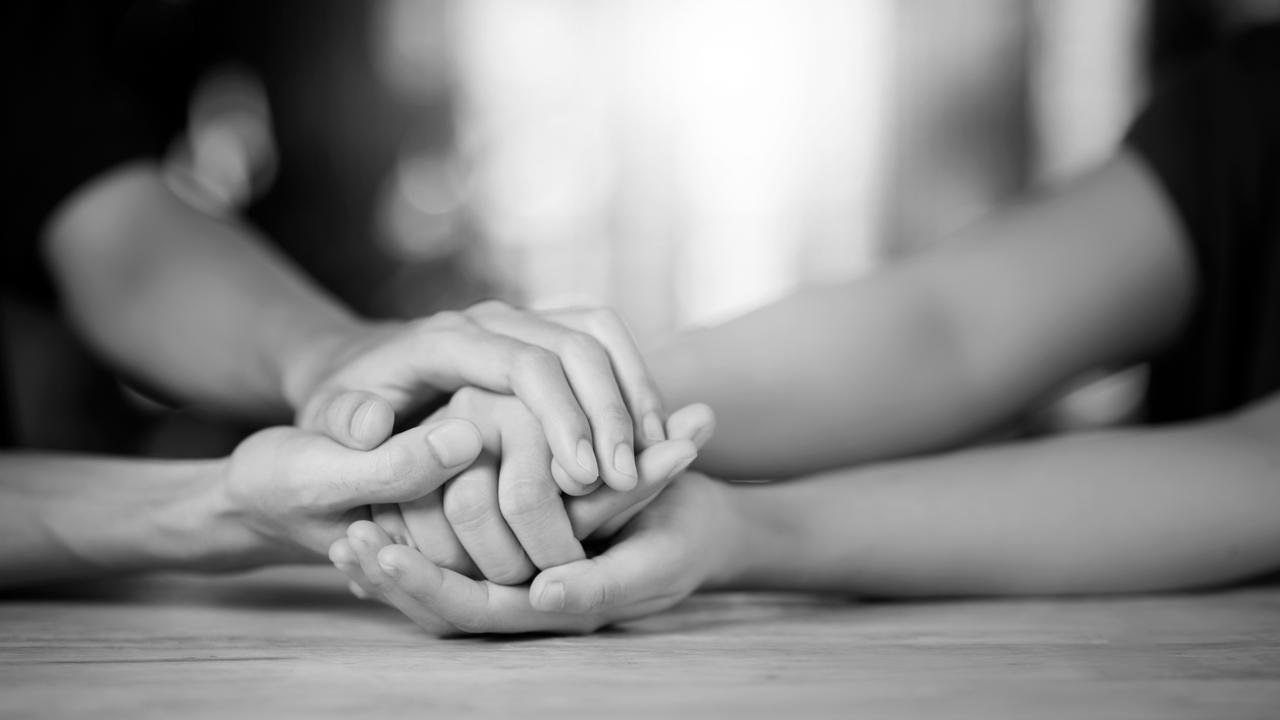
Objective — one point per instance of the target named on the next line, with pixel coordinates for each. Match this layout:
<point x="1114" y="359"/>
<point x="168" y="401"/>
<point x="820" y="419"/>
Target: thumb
<point x="353" y="418"/>
<point x="411" y="464"/>
<point x="658" y="465"/>
<point x="634" y="570"/>
<point x="696" y="423"/>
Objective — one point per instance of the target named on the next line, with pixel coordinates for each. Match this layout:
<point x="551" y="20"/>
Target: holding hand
<point x="504" y="518"/>
<point x="661" y="556"/>
<point x="681" y="542"/>
<point x="579" y="373"/>
<point x="296" y="492"/>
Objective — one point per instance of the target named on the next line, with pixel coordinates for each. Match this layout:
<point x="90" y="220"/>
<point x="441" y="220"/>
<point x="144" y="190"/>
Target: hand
<point x="503" y="518"/>
<point x="298" y="491"/>
<point x="683" y="541"/>
<point x="579" y="373"/>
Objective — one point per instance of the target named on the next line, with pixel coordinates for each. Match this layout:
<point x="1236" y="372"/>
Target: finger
<point x="590" y="372"/>
<point x="529" y="500"/>
<point x="343" y="557"/>
<point x="638" y="386"/>
<point x="461" y="354"/>
<point x="359" y="592"/>
<point x="365" y="540"/>
<point x="658" y="466"/>
<point x="696" y="422"/>
<point x="433" y="536"/>
<point x="359" y="420"/>
<point x="471" y="506"/>
<point x="568" y="485"/>
<point x="631" y="577"/>
<point x="469" y="605"/>
<point x="391" y="520"/>
<point x="407" y="466"/>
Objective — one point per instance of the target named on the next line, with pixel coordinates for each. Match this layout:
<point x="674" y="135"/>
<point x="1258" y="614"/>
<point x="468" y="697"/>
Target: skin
<point x="503" y="517"/>
<point x="942" y="348"/>
<point x="929" y="355"/>
<point x="462" y="604"/>
<point x="199" y="309"/>
<point x="284" y="495"/>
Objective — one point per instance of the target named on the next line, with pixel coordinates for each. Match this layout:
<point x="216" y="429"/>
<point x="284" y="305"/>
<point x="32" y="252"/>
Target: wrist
<point x="313" y="353"/>
<point x="146" y="516"/>
<point x="762" y="540"/>
<point x="737" y="557"/>
<point x="210" y="532"/>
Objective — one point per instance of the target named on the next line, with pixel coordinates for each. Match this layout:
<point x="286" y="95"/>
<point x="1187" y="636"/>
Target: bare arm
<point x="70" y="516"/>
<point x="195" y="305"/>
<point x="1122" y="511"/>
<point x="283" y="496"/>
<point x="946" y="345"/>
<point x="203" y="310"/>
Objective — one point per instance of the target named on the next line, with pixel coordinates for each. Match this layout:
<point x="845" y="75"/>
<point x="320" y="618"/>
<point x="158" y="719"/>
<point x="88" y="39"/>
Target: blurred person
<point x="1168" y="253"/>
<point x="198" y="309"/>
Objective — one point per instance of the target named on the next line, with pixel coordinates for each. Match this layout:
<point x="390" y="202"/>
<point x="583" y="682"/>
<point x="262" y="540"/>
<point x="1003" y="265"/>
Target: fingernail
<point x="360" y="418"/>
<point x="624" y="461"/>
<point x="652" y="428"/>
<point x="340" y="555"/>
<point x="454" y="443"/>
<point x="552" y="597"/>
<point x="680" y="467"/>
<point x="389" y="568"/>
<point x="587" y="458"/>
<point x="357" y="591"/>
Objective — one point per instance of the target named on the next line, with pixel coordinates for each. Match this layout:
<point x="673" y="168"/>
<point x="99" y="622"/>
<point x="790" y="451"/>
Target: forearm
<point x="65" y="517"/>
<point x="949" y="344"/>
<point x="1123" y="511"/>
<point x="828" y="377"/>
<point x="197" y="307"/>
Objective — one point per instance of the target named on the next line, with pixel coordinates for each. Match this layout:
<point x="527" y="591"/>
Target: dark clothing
<point x="89" y="85"/>
<point x="85" y="92"/>
<point x="1213" y="139"/>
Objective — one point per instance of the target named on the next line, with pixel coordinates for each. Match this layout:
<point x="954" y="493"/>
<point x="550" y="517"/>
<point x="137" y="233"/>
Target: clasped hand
<point x="655" y="558"/>
<point x="500" y="485"/>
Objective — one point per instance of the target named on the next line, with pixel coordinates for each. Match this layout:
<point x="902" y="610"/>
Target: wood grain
<point x="291" y="643"/>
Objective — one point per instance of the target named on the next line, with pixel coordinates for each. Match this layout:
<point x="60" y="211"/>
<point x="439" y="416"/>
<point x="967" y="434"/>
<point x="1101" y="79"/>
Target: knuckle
<point x="525" y="501"/>
<point x="443" y="320"/>
<point x="489" y="307"/>
<point x="584" y="347"/>
<point x="467" y="506"/>
<point x="533" y="362"/>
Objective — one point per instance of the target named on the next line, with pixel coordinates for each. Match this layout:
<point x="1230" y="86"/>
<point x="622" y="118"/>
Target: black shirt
<point x="1213" y="139"/>
<point x="89" y="85"/>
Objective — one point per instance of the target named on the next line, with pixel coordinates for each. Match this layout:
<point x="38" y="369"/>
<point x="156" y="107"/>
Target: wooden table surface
<point x="290" y="642"/>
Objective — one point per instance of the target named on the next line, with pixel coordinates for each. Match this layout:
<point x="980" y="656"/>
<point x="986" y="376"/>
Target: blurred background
<point x="680" y="160"/>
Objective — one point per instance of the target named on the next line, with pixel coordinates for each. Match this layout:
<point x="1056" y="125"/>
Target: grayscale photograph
<point x="647" y="359"/>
